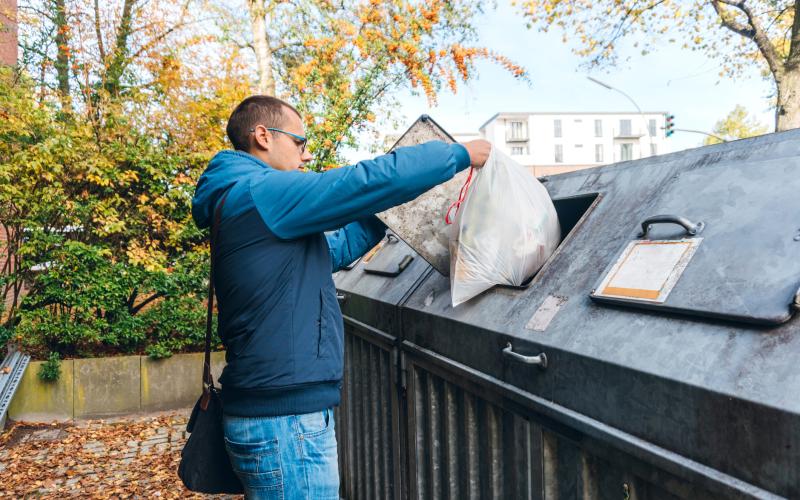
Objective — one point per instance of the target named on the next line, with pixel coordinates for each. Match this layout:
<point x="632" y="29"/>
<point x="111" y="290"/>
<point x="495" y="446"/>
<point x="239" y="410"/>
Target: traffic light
<point x="669" y="125"/>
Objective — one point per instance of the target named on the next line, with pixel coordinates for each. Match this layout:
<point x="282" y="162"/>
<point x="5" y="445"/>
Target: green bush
<point x="50" y="370"/>
<point x="104" y="239"/>
<point x="81" y="307"/>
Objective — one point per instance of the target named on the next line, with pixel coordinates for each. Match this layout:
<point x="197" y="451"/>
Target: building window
<point x="598" y="153"/>
<point x="556" y="128"/>
<point x="559" y="153"/>
<point x="653" y="149"/>
<point x="626" y="151"/>
<point x="651" y="127"/>
<point x="598" y="128"/>
<point x="518" y="150"/>
<point x="517" y="131"/>
<point x="625" y="128"/>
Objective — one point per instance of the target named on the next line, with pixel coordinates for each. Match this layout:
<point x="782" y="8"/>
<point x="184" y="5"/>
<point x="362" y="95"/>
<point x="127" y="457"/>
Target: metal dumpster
<point x="655" y="355"/>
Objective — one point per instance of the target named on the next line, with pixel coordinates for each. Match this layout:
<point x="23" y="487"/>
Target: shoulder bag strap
<point x="208" y="380"/>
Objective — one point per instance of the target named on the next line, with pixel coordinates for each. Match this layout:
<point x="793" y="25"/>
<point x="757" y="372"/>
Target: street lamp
<point x="641" y="115"/>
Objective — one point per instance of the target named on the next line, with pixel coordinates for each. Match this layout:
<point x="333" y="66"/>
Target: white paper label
<point x="648" y="269"/>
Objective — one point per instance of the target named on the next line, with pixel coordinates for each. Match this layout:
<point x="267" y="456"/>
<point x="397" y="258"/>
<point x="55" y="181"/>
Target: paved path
<point x="133" y="457"/>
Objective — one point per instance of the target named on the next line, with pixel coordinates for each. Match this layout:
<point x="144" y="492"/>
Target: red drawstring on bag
<point x="461" y="195"/>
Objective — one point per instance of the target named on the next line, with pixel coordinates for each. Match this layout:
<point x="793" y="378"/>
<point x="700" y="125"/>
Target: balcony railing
<point x="629" y="133"/>
<point x="517" y="137"/>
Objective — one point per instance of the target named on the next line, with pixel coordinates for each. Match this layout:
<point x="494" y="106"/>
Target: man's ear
<point x="262" y="139"/>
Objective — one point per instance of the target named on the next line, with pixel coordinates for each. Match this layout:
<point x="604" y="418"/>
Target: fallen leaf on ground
<point x="61" y="467"/>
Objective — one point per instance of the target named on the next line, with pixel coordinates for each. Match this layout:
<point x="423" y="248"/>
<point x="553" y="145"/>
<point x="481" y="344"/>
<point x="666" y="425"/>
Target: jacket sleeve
<point x="354" y="240"/>
<point x="295" y="204"/>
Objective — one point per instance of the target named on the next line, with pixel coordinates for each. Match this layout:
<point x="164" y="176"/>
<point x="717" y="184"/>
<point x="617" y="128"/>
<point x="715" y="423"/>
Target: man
<point x="278" y="315"/>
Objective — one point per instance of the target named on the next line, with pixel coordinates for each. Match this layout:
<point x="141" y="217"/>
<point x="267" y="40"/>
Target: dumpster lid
<point x="414" y="222"/>
<point x="721" y="242"/>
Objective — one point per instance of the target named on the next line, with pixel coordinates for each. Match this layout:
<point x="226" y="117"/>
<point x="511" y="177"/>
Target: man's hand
<point x="478" y="151"/>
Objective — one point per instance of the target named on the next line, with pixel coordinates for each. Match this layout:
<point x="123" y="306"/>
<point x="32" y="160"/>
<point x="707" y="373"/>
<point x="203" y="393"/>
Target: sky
<point x="679" y="81"/>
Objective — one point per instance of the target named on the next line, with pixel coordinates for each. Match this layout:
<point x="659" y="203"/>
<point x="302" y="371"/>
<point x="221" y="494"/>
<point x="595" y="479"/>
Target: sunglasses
<point x="298" y="139"/>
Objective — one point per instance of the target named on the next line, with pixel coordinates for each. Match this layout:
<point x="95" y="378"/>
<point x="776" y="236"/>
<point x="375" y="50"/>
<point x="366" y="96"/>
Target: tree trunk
<point x="258" y="24"/>
<point x="119" y="57"/>
<point x="787" y="112"/>
<point x="62" y="54"/>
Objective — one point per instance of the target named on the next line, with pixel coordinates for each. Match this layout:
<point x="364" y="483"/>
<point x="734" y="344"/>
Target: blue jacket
<point x="278" y="315"/>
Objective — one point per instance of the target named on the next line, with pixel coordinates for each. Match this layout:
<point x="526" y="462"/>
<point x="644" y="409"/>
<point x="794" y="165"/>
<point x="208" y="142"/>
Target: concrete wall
<point x="104" y="387"/>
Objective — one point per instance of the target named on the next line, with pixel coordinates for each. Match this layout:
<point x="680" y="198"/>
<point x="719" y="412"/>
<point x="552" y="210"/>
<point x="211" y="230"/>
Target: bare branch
<point x="145" y="47"/>
<point x="731" y="24"/>
<point x="619" y="29"/>
<point x="779" y="14"/>
<point x="752" y="30"/>
<point x="46" y="14"/>
<point x="734" y="3"/>
<point x="132" y="299"/>
<point x="97" y="31"/>
<point x="152" y="42"/>
<point x="146" y="301"/>
<point x="776" y="65"/>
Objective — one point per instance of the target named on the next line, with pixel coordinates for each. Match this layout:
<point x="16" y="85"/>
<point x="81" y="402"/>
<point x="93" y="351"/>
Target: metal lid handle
<point x="539" y="359"/>
<point x="690" y="227"/>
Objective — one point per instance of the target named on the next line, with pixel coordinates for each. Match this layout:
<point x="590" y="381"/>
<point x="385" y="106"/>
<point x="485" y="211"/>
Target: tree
<point x="737" y="32"/>
<point x="737" y="125"/>
<point x="340" y="64"/>
<point x="62" y="49"/>
<point x="259" y="19"/>
<point x="96" y="175"/>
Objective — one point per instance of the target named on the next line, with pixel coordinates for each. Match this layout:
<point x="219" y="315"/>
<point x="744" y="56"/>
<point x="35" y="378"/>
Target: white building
<point x="465" y="136"/>
<point x="560" y="142"/>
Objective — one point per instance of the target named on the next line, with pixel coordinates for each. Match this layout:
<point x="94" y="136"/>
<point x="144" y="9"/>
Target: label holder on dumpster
<point x="647" y="270"/>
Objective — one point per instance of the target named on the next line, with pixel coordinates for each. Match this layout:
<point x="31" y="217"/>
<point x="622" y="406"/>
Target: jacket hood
<point x="223" y="171"/>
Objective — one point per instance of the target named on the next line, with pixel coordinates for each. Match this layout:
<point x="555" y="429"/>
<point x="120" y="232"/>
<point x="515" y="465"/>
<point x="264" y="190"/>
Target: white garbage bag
<point x="505" y="228"/>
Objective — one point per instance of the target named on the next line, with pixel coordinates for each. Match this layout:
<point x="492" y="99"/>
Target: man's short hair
<point x="255" y="110"/>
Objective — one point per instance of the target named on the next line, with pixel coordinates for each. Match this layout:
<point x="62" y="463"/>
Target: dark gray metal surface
<point x="747" y="267"/>
<point x="504" y="443"/>
<point x="367" y="433"/>
<point x="670" y="405"/>
<point x="373" y="298"/>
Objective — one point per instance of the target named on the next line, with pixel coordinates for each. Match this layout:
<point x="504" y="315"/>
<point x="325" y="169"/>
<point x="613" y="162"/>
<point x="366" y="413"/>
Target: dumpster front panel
<point x="470" y="438"/>
<point x="367" y="430"/>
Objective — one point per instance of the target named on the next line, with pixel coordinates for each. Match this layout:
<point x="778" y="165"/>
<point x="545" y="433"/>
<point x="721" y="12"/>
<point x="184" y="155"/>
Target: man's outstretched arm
<point x="295" y="204"/>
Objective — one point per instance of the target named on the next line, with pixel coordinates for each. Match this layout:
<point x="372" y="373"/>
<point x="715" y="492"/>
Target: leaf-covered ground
<point x="122" y="458"/>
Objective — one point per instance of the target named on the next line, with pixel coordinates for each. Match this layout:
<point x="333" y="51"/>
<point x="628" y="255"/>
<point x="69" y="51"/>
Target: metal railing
<point x="11" y="371"/>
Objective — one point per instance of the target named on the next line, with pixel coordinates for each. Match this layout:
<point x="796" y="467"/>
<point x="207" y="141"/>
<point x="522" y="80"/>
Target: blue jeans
<point x="284" y="458"/>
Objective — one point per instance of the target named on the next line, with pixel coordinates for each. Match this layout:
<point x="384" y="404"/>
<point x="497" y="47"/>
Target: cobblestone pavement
<point x="133" y="457"/>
